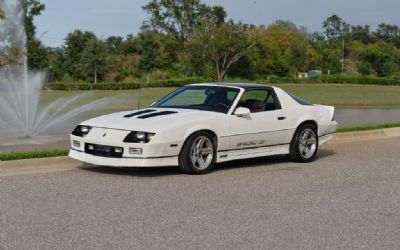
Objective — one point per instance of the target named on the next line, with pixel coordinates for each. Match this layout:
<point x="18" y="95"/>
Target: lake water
<point x="348" y="117"/>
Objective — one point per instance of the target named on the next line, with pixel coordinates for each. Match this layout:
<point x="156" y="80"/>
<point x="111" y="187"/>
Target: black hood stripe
<point x="157" y="114"/>
<point x="139" y="113"/>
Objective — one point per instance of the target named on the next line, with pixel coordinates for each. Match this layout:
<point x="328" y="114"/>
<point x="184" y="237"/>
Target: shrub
<point x="125" y="85"/>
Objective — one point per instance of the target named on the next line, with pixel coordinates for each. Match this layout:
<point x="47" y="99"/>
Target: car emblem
<point x="104" y="134"/>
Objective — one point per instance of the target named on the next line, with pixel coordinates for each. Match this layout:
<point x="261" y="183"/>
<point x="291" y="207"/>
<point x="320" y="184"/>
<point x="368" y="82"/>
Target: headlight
<point x="81" y="130"/>
<point x="138" y="137"/>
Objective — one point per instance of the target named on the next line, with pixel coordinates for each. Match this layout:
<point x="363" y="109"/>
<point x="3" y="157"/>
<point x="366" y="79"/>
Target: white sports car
<point x="199" y="125"/>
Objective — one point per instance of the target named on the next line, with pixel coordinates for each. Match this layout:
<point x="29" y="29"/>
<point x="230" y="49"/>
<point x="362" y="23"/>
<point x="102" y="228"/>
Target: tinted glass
<point x="217" y="99"/>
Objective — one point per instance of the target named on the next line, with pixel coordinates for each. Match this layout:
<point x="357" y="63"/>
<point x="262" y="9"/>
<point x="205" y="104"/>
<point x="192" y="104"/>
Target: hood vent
<point x="157" y="114"/>
<point x="139" y="113"/>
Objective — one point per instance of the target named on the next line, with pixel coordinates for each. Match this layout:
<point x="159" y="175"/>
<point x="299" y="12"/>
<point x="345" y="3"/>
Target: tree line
<point x="184" y="38"/>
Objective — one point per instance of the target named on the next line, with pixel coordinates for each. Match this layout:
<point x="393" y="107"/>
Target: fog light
<point x="76" y="144"/>
<point x="91" y="147"/>
<point x="118" y="150"/>
<point x="135" y="151"/>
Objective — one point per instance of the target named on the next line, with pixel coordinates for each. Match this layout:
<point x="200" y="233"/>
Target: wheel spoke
<point x="307" y="151"/>
<point x="301" y="148"/>
<point x="202" y="164"/>
<point x="207" y="151"/>
<point x="305" y="135"/>
<point x="311" y="141"/>
<point x="194" y="148"/>
<point x="200" y="143"/>
<point x="194" y="159"/>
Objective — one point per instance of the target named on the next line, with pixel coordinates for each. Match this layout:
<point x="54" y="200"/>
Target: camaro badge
<point x="250" y="143"/>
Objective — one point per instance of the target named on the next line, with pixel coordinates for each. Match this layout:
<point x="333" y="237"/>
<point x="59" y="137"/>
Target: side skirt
<point x="232" y="155"/>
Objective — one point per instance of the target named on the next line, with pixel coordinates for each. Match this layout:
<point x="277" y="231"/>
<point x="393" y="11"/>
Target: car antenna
<point x="139" y="96"/>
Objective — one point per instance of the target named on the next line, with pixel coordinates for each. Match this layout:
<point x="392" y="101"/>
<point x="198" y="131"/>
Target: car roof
<point x="245" y="86"/>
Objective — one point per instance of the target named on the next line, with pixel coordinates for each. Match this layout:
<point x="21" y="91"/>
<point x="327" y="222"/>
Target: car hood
<point x="151" y="119"/>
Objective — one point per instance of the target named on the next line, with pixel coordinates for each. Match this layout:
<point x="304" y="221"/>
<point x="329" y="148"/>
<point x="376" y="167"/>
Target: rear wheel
<point x="198" y="154"/>
<point x="304" y="145"/>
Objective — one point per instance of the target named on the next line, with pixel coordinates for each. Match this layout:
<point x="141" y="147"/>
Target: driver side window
<point x="258" y="101"/>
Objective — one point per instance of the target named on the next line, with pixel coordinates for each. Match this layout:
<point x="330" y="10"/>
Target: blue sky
<point x="121" y="17"/>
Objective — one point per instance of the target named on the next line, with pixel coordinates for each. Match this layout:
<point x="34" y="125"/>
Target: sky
<point x="122" y="17"/>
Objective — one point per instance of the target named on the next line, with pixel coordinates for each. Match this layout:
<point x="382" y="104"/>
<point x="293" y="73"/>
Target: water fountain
<point x="22" y="119"/>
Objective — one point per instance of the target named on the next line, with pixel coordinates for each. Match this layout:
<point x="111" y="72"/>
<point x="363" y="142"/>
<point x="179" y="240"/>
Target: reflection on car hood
<point x="151" y="119"/>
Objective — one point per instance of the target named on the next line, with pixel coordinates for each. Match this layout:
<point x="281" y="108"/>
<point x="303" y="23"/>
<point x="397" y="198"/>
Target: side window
<point x="258" y="101"/>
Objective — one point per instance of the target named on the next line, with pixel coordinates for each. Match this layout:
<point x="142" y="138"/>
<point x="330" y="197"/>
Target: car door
<point x="264" y="127"/>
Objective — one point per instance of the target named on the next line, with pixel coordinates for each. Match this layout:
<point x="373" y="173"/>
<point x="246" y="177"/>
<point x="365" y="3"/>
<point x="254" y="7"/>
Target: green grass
<point x="12" y="156"/>
<point x="32" y="155"/>
<point x="343" y="95"/>
<point x="348" y="96"/>
<point x="368" y="127"/>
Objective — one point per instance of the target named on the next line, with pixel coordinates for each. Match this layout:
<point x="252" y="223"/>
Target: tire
<point x="198" y="154"/>
<point x="304" y="145"/>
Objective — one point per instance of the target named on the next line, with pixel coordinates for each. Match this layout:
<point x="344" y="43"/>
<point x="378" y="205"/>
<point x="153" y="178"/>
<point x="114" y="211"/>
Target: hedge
<point x="337" y="79"/>
<point x="124" y="85"/>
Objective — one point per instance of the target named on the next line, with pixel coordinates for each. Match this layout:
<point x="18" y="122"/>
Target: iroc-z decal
<point x="250" y="143"/>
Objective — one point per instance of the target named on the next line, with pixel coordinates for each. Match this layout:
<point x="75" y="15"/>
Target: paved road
<point x="348" y="199"/>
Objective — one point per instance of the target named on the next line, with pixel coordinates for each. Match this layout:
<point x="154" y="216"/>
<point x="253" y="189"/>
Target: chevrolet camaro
<point x="199" y="125"/>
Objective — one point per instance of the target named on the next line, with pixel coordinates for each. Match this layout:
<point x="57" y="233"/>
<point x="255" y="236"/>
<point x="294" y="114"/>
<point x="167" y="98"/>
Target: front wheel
<point x="198" y="154"/>
<point x="304" y="145"/>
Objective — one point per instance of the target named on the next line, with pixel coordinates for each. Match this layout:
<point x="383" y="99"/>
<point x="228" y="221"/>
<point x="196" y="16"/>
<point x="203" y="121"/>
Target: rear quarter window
<point x="299" y="100"/>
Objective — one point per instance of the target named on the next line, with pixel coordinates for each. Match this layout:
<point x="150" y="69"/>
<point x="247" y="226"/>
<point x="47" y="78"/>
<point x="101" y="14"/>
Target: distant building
<point x="302" y="75"/>
<point x="312" y="73"/>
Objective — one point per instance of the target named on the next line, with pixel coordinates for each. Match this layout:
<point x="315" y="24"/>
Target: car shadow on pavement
<point x="269" y="161"/>
<point x="166" y="171"/>
<point x="129" y="171"/>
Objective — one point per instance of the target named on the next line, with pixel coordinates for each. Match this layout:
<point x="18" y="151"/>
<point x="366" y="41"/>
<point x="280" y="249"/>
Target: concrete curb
<point x="55" y="164"/>
<point x="41" y="165"/>
<point x="366" y="135"/>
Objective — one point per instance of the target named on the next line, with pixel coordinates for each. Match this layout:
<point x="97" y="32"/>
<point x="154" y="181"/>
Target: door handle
<point x="281" y="118"/>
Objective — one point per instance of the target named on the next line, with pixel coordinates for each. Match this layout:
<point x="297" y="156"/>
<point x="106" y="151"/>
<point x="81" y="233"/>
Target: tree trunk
<point x="227" y="63"/>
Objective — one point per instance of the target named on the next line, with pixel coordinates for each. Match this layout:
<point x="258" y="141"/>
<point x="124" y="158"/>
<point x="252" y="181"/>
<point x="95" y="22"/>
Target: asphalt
<point x="348" y="199"/>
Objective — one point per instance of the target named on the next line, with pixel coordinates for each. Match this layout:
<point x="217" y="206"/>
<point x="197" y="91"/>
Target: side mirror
<point x="241" y="111"/>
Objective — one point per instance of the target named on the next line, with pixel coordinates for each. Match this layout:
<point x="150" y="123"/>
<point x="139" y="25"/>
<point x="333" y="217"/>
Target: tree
<point x="150" y="48"/>
<point x="36" y="51"/>
<point x="299" y="56"/>
<point x="37" y="55"/>
<point x="179" y="17"/>
<point x="281" y="49"/>
<point x="335" y="27"/>
<point x="389" y="33"/>
<point x="32" y="8"/>
<point x="361" y="34"/>
<point x="94" y="58"/>
<point x="114" y="44"/>
<point x="383" y="57"/>
<point x="74" y="47"/>
<point x="223" y="45"/>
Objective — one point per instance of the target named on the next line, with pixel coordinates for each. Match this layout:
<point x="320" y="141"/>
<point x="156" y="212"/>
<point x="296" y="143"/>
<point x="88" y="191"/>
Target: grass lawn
<point x="346" y="96"/>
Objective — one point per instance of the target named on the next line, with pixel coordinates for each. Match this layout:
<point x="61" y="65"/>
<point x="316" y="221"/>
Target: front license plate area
<point x="103" y="150"/>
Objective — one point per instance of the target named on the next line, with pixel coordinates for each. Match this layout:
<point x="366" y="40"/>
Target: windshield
<point x="208" y="98"/>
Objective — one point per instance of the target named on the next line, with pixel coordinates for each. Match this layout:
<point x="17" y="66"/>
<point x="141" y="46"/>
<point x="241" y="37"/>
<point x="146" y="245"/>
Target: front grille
<point x="104" y="151"/>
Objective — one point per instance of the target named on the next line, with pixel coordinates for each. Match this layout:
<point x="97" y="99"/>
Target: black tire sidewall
<point x="295" y="153"/>
<point x="185" y="163"/>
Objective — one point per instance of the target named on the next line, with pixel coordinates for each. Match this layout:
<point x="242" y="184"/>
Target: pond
<point x="349" y="117"/>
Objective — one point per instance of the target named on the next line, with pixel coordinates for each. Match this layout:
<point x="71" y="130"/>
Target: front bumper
<point x="155" y="154"/>
<point x="123" y="162"/>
